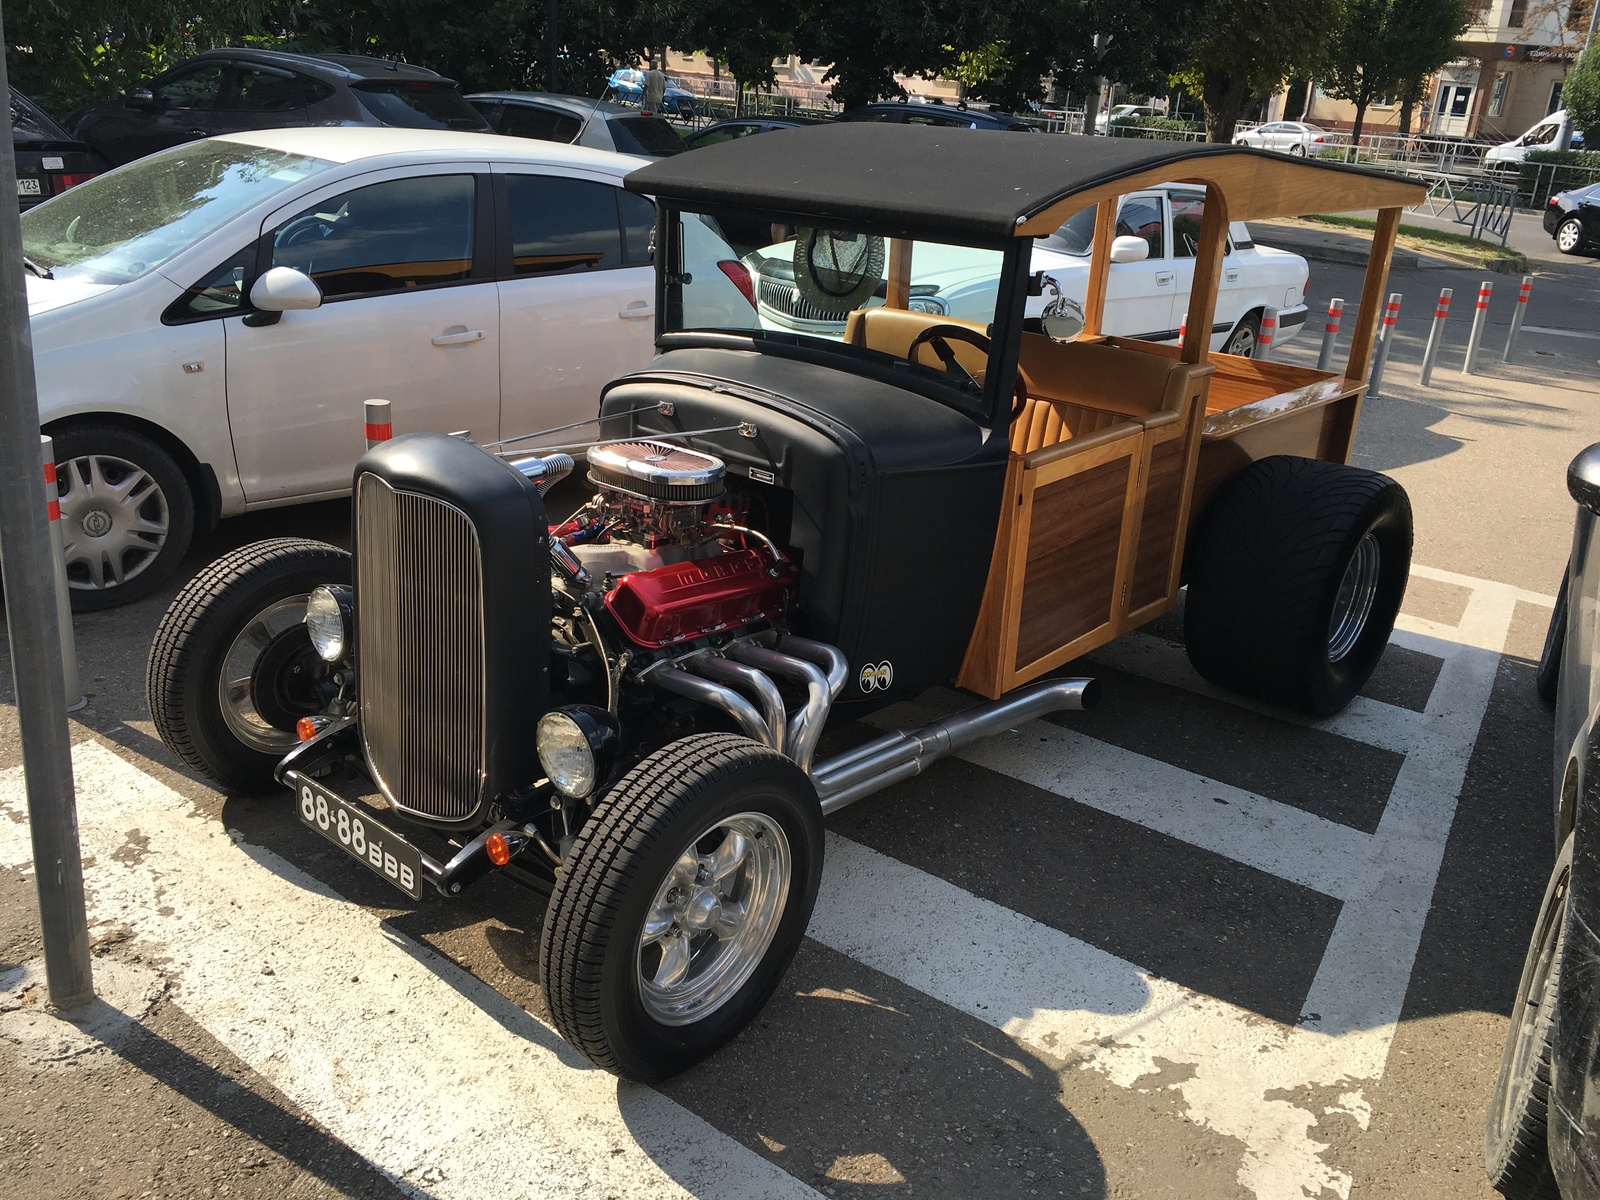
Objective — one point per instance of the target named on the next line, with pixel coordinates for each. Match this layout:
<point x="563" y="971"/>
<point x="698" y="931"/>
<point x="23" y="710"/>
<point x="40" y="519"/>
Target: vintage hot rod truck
<point x="624" y="708"/>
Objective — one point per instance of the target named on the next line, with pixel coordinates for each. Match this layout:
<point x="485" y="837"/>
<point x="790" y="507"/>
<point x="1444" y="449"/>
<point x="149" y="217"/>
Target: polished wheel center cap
<point x="702" y="912"/>
<point x="96" y="523"/>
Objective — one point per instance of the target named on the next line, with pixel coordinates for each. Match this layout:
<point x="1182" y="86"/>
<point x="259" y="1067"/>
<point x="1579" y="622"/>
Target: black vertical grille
<point x="419" y="617"/>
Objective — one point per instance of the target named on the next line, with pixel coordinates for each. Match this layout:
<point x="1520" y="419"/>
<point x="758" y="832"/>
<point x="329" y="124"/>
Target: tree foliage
<point x="1385" y="47"/>
<point x="1246" y="49"/>
<point x="1580" y="93"/>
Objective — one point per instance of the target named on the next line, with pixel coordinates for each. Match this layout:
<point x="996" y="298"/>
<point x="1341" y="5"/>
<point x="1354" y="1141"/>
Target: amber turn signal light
<point x="305" y="729"/>
<point x="498" y="849"/>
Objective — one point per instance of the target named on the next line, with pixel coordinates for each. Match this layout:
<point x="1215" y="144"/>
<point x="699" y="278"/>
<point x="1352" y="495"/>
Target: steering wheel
<point x="936" y="335"/>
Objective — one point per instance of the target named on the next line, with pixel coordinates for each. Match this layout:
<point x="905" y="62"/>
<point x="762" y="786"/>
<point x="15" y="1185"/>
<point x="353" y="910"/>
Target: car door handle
<point x="458" y="337"/>
<point x="1231" y="276"/>
<point x="637" y="310"/>
<point x="1164" y="278"/>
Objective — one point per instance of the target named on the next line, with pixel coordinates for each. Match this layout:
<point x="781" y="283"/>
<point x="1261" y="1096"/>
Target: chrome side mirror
<point x="1128" y="249"/>
<point x="283" y="288"/>
<point x="1063" y="319"/>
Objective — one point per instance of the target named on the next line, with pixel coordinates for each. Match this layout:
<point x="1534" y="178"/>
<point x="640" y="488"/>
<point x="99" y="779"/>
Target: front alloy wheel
<point x="679" y="907"/>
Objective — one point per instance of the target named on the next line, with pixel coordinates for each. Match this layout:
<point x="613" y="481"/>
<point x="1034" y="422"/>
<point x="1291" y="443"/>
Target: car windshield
<point x="123" y="225"/>
<point x="823" y="283"/>
<point x="413" y="104"/>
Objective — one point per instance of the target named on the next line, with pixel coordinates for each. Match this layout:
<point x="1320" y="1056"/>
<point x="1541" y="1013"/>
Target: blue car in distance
<point x="627" y="85"/>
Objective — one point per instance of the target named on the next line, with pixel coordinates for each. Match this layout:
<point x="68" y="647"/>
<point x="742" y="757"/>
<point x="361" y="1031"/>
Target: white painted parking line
<point x="439" y="1081"/>
<point x="1571" y="333"/>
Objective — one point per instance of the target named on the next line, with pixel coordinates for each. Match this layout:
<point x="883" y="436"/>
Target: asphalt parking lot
<point x="1180" y="946"/>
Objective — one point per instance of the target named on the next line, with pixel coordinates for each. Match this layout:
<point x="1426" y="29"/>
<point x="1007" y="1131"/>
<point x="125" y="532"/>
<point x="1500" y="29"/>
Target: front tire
<point x="681" y="905"/>
<point x="232" y="668"/>
<point x="127" y="514"/>
<point x="1295" y="579"/>
<point x="1516" y="1150"/>
<point x="1569" y="236"/>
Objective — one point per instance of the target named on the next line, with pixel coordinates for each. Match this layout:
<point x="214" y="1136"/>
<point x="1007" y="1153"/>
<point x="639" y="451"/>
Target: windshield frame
<point x="992" y="405"/>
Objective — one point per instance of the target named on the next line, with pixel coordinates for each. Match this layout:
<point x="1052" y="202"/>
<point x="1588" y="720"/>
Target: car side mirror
<point x="283" y="288"/>
<point x="1127" y="249"/>
<point x="1583" y="479"/>
<point x="141" y="97"/>
<point x="1063" y="319"/>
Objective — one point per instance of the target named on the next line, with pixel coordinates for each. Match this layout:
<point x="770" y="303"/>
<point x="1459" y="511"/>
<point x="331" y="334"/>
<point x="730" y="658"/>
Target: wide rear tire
<point x="241" y="622"/>
<point x="1295" y="579"/>
<point x="1516" y="1150"/>
<point x="681" y="905"/>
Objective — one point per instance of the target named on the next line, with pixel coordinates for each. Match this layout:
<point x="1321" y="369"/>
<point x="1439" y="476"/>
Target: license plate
<point x="354" y="831"/>
<point x="28" y="187"/>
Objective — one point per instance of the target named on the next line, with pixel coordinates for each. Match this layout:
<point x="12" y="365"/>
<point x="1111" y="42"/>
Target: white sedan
<point x="1147" y="289"/>
<point x="1288" y="137"/>
<point x="207" y="321"/>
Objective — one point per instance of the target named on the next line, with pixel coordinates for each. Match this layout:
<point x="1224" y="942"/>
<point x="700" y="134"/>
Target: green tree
<point x="1580" y="94"/>
<point x="1381" y="47"/>
<point x="1246" y="49"/>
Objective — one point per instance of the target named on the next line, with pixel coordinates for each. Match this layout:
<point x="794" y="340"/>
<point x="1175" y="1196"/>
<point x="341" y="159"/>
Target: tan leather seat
<point x="892" y="330"/>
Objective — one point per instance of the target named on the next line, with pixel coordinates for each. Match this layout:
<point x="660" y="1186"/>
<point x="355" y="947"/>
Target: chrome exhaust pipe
<point x="887" y="760"/>
<point x="718" y="696"/>
<point x="803" y="729"/>
<point x="721" y="670"/>
<point x="830" y="658"/>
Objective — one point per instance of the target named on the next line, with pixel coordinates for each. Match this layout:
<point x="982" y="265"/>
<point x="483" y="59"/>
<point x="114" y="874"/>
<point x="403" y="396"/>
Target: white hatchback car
<point x="1146" y="294"/>
<point x="484" y="284"/>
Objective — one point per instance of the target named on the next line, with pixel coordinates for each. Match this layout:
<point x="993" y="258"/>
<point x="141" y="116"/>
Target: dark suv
<point x="960" y="115"/>
<point x="230" y="90"/>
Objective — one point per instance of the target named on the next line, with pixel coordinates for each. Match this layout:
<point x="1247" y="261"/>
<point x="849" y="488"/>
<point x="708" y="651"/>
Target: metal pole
<point x="1435" y="334"/>
<point x="1269" y="333"/>
<point x="1391" y="313"/>
<point x="378" y="426"/>
<point x="1470" y="364"/>
<point x="1517" y="314"/>
<point x="1330" y="333"/>
<point x="58" y="555"/>
<point x="35" y="632"/>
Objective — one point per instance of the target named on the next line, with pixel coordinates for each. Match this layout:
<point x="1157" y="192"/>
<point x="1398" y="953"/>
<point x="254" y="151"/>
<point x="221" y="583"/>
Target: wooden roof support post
<point x="1372" y="291"/>
<point x="897" y="292"/>
<point x="1105" y="232"/>
<point x="1212" y="246"/>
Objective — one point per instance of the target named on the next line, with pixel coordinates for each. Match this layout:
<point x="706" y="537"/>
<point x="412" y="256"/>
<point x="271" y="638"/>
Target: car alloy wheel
<point x="1298" y="150"/>
<point x="1569" y="237"/>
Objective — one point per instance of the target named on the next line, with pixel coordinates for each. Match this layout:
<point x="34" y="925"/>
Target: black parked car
<point x="229" y="90"/>
<point x="579" y="121"/>
<point x="1573" y="219"/>
<point x="49" y="160"/>
<point x="738" y="127"/>
<point x="1543" y="1131"/>
<point x="961" y="115"/>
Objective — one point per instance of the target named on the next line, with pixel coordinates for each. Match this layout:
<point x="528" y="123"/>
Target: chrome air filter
<point x="657" y="471"/>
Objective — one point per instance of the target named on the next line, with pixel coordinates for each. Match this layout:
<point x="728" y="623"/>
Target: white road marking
<point x="438" y="1080"/>
<point x="1072" y="1000"/>
<point x="1571" y="333"/>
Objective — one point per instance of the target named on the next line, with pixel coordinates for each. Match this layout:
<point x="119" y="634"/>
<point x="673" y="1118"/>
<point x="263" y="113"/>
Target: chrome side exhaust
<point x="887" y="760"/>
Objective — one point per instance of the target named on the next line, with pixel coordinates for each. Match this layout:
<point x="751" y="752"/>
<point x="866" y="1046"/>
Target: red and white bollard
<point x="1517" y="314"/>
<point x="58" y="556"/>
<point x="1469" y="365"/>
<point x="1435" y="334"/>
<point x="1269" y="333"/>
<point x="379" y="427"/>
<point x="1330" y="333"/>
<point x="1391" y="314"/>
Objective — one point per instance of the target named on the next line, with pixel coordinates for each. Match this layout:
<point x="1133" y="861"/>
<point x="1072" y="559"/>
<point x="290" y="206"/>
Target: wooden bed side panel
<point x="1072" y="573"/>
<point x="1158" y="526"/>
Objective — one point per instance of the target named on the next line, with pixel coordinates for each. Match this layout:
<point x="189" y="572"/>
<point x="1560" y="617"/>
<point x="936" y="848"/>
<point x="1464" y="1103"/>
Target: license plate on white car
<point x="28" y="187"/>
<point x="355" y="832"/>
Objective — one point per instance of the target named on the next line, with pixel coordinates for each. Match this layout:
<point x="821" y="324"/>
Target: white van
<point x="1555" y="132"/>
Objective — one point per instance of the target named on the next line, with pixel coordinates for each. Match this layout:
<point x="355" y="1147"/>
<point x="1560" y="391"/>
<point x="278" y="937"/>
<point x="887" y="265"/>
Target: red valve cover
<point x="691" y="599"/>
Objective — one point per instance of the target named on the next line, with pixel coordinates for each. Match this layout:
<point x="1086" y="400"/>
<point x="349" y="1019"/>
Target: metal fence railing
<point x="1483" y="206"/>
<point x="1537" y="182"/>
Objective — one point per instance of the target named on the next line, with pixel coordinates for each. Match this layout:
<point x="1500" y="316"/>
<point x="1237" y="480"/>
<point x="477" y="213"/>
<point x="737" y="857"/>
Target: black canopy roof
<point x="959" y="183"/>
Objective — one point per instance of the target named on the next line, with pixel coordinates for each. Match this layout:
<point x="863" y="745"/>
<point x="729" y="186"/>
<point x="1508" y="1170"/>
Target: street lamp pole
<point x="33" y="630"/>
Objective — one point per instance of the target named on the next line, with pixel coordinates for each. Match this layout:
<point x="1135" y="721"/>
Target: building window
<point x="1497" y="98"/>
<point x="1555" y="98"/>
<point x="1518" y="16"/>
<point x="1578" y="14"/>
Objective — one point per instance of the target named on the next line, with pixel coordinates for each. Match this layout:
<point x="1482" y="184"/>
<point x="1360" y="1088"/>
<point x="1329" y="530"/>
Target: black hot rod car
<point x="624" y="708"/>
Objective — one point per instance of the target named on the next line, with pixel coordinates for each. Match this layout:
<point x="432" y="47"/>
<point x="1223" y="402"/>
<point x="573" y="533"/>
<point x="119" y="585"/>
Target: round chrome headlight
<point x="576" y="746"/>
<point x="327" y="621"/>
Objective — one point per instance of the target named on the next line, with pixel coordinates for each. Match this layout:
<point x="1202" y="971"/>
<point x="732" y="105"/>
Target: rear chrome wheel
<point x="1569" y="236"/>
<point x="681" y="903"/>
<point x="1353" y="605"/>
